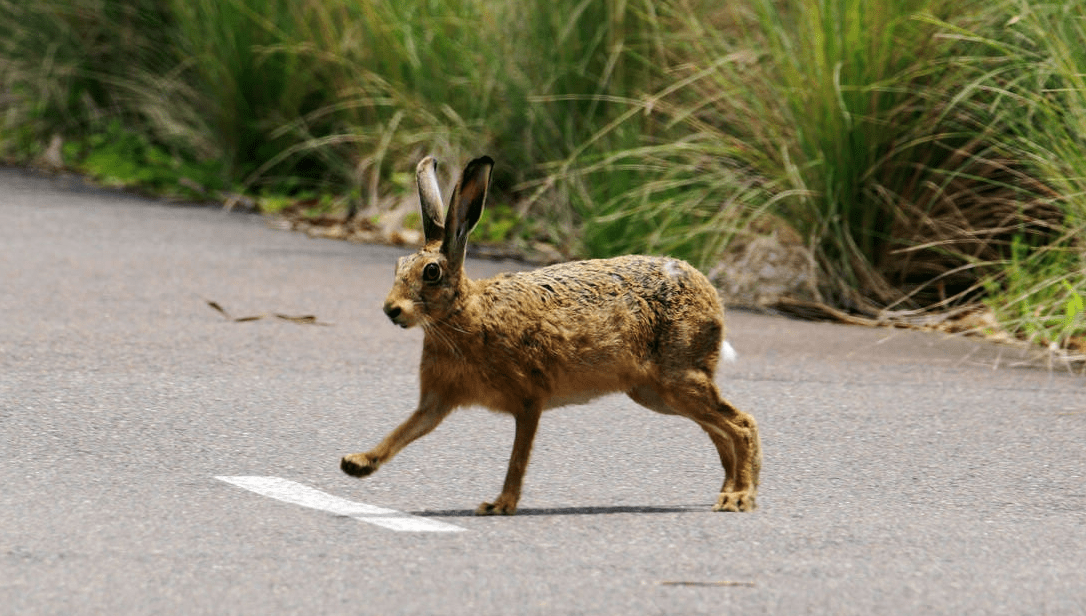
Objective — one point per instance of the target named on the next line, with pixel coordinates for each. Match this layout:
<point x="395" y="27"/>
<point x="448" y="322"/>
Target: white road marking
<point x="298" y="494"/>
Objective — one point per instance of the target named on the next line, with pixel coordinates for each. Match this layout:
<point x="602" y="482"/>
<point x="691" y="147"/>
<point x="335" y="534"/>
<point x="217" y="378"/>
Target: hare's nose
<point x="392" y="311"/>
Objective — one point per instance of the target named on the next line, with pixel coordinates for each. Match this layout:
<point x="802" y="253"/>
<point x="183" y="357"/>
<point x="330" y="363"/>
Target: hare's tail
<point x="727" y="351"/>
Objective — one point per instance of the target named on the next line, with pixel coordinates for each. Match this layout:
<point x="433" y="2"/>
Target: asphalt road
<point x="904" y="473"/>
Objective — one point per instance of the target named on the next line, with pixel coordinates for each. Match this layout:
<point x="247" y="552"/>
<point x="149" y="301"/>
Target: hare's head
<point x="428" y="283"/>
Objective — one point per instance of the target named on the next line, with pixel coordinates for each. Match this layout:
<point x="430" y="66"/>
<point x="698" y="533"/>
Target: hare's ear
<point x="430" y="199"/>
<point x="465" y="208"/>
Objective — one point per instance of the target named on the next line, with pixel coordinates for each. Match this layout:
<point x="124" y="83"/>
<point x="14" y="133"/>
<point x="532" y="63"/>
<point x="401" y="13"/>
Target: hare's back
<point x="590" y="327"/>
<point x="659" y="290"/>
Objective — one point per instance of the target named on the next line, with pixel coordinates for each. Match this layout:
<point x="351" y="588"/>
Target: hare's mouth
<point x="401" y="320"/>
<point x="403" y="323"/>
<point x="399" y="316"/>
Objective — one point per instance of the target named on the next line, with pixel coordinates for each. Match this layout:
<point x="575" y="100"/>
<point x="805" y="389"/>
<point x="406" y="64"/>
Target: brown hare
<point x="522" y="343"/>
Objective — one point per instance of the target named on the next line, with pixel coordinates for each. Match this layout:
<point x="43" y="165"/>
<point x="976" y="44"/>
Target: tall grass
<point x="929" y="154"/>
<point x="325" y="92"/>
<point x="62" y="62"/>
<point x="1035" y="69"/>
<point x="840" y="117"/>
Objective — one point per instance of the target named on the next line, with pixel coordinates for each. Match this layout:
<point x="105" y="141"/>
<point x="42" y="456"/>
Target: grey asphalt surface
<point x="904" y="473"/>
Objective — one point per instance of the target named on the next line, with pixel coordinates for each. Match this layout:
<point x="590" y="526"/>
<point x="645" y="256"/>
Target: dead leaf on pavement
<point x="305" y="319"/>
<point x="217" y="307"/>
<point x="255" y="317"/>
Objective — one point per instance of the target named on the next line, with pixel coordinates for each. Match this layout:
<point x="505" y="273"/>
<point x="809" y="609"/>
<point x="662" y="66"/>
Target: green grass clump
<point x="335" y="93"/>
<point x="1035" y="68"/>
<point x="915" y="156"/>
<point x="1038" y="295"/>
<point x="834" y="115"/>
<point x="63" y="65"/>
<point x="929" y="154"/>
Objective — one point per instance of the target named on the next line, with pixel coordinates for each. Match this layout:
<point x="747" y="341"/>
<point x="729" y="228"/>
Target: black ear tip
<point x="482" y="161"/>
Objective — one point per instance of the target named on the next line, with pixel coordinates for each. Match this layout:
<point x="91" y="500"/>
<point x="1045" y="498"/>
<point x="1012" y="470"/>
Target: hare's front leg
<point x="421" y="422"/>
<point x="506" y="503"/>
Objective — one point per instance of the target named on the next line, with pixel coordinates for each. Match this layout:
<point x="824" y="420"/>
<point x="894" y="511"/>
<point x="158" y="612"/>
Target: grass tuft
<point x="929" y="155"/>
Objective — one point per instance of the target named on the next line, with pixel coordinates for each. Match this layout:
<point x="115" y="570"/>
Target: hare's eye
<point x="431" y="273"/>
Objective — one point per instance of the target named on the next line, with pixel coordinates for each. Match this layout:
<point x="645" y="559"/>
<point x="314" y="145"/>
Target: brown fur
<point x="651" y="327"/>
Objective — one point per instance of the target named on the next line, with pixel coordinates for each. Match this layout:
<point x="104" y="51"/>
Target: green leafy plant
<point x="1038" y="295"/>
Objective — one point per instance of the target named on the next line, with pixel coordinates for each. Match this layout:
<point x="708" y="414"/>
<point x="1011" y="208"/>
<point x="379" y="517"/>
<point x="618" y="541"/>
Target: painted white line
<point x="298" y="494"/>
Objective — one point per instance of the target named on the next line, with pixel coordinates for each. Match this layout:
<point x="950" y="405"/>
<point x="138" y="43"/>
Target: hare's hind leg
<point x="506" y="503"/>
<point x="734" y="433"/>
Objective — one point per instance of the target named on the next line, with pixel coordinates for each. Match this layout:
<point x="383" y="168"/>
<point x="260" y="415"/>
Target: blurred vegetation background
<point x="928" y="156"/>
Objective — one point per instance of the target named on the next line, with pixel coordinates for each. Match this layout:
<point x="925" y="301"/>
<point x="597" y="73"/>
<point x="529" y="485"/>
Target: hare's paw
<point x="735" y="501"/>
<point x="358" y="464"/>
<point x="498" y="507"/>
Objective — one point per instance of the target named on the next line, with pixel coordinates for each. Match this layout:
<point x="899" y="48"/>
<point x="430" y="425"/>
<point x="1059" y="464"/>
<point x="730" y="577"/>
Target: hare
<point x="523" y="343"/>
